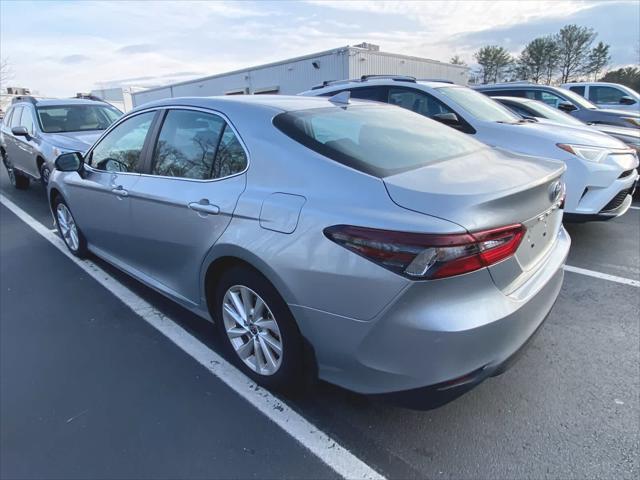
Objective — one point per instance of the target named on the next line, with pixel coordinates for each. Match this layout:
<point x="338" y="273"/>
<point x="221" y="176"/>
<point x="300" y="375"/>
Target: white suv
<point x="601" y="171"/>
<point x="607" y="95"/>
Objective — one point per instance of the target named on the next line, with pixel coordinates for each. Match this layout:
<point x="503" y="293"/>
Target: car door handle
<point x="121" y="192"/>
<point x="206" y="208"/>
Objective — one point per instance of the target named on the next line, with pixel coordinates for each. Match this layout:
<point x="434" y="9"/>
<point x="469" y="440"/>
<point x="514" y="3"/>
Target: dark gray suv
<point x="565" y="100"/>
<point x="35" y="132"/>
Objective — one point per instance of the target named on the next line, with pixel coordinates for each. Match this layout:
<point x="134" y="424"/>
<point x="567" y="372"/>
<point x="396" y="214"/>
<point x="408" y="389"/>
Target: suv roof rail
<point x="397" y="78"/>
<point x="515" y="82"/>
<point x="24" y="98"/>
<point x="88" y="96"/>
<point x="440" y="80"/>
<point x="326" y="83"/>
<point x="364" y="78"/>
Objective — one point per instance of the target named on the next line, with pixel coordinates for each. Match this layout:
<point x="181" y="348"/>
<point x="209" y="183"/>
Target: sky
<point x="60" y="48"/>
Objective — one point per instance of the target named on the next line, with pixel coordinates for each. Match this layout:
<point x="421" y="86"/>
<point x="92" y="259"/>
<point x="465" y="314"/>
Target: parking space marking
<point x="311" y="437"/>
<point x="634" y="208"/>
<point x="603" y="276"/>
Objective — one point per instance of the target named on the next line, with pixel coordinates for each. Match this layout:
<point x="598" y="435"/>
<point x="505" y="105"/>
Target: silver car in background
<point x="36" y="131"/>
<point x="388" y="252"/>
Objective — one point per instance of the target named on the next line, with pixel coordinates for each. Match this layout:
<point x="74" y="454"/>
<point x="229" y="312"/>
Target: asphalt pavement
<point x="89" y="390"/>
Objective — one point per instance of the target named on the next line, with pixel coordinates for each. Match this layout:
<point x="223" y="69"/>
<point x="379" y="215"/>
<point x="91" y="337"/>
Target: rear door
<point x="185" y="199"/>
<point x="99" y="198"/>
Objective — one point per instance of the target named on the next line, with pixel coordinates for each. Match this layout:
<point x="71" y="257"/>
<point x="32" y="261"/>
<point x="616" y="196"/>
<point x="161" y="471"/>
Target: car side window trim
<point x="145" y="145"/>
<point x="155" y="134"/>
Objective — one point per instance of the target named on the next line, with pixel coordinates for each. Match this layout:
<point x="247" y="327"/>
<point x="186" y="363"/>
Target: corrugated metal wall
<point x="295" y="76"/>
<point x="363" y="62"/>
<point x="288" y="78"/>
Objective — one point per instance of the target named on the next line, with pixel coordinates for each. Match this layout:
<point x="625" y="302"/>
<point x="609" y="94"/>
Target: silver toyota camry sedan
<point x="387" y="253"/>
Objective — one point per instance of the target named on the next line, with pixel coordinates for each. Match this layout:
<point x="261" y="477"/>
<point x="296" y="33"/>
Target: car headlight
<point x="590" y="154"/>
<point x="632" y="120"/>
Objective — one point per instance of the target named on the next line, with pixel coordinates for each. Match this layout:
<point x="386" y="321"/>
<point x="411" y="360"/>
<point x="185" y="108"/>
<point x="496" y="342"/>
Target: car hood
<point x="625" y="134"/>
<point x="483" y="189"/>
<point x="77" y="141"/>
<point x="555" y="133"/>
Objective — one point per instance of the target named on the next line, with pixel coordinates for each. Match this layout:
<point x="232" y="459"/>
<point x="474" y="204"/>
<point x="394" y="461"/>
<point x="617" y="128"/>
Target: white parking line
<point x="319" y="443"/>
<point x="603" y="276"/>
<point x="634" y="208"/>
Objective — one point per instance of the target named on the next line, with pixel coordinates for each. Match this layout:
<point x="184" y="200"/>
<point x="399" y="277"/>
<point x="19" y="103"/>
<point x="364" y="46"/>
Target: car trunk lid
<point x="489" y="189"/>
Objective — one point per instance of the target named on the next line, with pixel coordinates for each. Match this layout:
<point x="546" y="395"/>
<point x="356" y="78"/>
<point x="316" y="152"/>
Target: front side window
<point x="375" y="139"/>
<point x="602" y="94"/>
<point x="121" y="149"/>
<point x="26" y="120"/>
<point x="480" y="106"/>
<point x="550" y="99"/>
<point x="76" y="118"/>
<point x="197" y="146"/>
<point x="417" y="101"/>
<point x="15" y="117"/>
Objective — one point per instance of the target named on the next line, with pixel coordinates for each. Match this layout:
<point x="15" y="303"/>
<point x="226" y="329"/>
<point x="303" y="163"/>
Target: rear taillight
<point x="426" y="256"/>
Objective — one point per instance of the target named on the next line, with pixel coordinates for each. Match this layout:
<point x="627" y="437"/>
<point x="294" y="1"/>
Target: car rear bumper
<point x="435" y="331"/>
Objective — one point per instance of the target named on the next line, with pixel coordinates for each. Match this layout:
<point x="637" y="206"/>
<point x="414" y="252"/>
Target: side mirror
<point x="627" y="100"/>
<point x="69" y="162"/>
<point x="20" y="132"/>
<point x="448" y="118"/>
<point x="567" y="106"/>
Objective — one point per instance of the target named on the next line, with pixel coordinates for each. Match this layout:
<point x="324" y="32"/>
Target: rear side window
<point x="198" y="146"/>
<point x="375" y="139"/>
<point x="579" y="89"/>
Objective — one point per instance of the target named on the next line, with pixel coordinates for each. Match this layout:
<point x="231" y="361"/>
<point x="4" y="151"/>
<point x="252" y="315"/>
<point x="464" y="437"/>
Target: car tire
<point x="269" y="337"/>
<point x="68" y="229"/>
<point x="17" y="179"/>
<point x="45" y="173"/>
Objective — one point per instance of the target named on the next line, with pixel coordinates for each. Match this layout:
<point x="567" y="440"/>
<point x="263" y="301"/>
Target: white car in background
<point x="601" y="171"/>
<point x="607" y="95"/>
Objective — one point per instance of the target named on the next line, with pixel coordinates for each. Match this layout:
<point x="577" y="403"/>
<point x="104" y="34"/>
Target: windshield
<point x="579" y="99"/>
<point x="378" y="139"/>
<point x="545" y="111"/>
<point x="76" y="118"/>
<point x="479" y="105"/>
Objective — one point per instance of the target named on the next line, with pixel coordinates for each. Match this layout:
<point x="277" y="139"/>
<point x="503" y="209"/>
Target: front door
<point x="186" y="200"/>
<point x="99" y="197"/>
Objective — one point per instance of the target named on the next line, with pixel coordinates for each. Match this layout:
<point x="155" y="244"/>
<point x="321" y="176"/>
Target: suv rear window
<point x="378" y="140"/>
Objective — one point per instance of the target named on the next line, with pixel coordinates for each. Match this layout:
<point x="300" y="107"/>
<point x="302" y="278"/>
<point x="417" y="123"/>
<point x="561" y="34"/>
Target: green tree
<point x="538" y="60"/>
<point x="493" y="60"/>
<point x="457" y="60"/>
<point x="629" y="76"/>
<point x="599" y="58"/>
<point x="574" y="45"/>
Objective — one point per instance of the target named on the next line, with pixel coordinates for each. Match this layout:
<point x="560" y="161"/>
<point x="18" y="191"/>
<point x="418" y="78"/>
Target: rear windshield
<point x="380" y="140"/>
<point x="76" y="118"/>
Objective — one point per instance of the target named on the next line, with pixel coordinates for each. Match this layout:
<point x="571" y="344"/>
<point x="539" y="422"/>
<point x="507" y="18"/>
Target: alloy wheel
<point x="252" y="330"/>
<point x="67" y="226"/>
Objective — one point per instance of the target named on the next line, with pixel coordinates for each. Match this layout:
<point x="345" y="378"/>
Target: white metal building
<point x="295" y="75"/>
